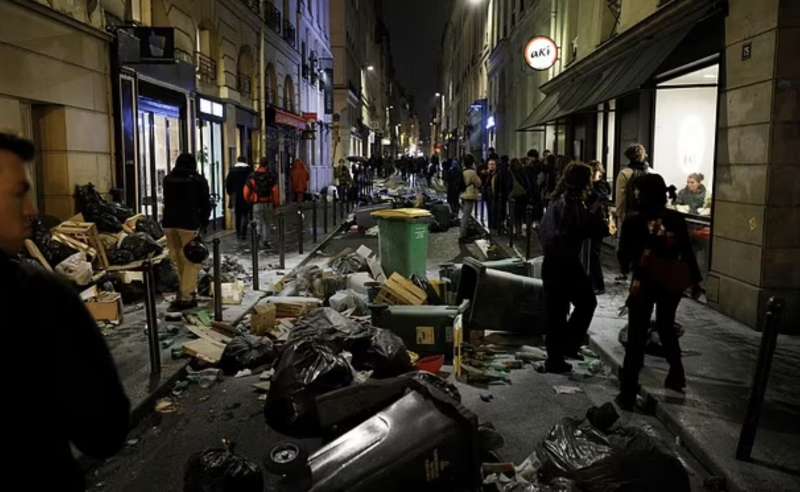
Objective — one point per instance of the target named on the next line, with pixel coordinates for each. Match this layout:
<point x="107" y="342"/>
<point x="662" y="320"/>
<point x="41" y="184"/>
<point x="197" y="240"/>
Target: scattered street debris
<point x="166" y="405"/>
<point x="566" y="390"/>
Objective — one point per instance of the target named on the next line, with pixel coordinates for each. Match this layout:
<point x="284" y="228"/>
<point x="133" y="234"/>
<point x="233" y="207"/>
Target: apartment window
<point x="521" y="6"/>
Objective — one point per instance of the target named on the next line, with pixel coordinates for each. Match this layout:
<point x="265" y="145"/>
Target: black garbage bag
<point x="53" y="251"/>
<point x="166" y="277"/>
<point x="305" y="370"/>
<point x="640" y="461"/>
<point x="121" y="257"/>
<point x="384" y="353"/>
<point x="106" y="222"/>
<point x="222" y="470"/>
<point x="121" y="212"/>
<point x="204" y="284"/>
<point x="141" y="245"/>
<point x="569" y="446"/>
<point x="107" y="216"/>
<point x="149" y="226"/>
<point x="331" y="328"/>
<point x="246" y="352"/>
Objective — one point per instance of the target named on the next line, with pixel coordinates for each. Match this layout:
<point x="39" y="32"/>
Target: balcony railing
<point x="272" y="18"/>
<point x="306" y="70"/>
<point x="252" y="5"/>
<point x="205" y="67"/>
<point x="289" y="33"/>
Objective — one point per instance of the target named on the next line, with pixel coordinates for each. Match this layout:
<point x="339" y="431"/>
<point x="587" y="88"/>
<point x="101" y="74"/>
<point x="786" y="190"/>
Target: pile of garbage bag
<point x="246" y="352"/>
<point x="53" y="251"/>
<point x="597" y="454"/>
<point x="108" y="217"/>
<point x="322" y="353"/>
<point x="140" y="245"/>
<point x="150" y="227"/>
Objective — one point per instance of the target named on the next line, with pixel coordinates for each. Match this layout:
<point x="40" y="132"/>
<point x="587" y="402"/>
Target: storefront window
<point x="685" y="133"/>
<point x="159" y="146"/>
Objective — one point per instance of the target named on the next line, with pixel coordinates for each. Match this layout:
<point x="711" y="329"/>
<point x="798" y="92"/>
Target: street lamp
<point x="438" y="94"/>
<point x="370" y="68"/>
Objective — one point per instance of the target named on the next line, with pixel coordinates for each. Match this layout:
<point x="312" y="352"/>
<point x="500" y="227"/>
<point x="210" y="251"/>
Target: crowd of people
<point x="569" y="204"/>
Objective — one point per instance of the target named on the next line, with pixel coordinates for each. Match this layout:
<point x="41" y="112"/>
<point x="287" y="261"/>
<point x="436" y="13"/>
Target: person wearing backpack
<point x="261" y="190"/>
<point x="625" y="202"/>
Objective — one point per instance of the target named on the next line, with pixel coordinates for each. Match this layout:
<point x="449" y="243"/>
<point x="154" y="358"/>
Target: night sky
<point x="416" y="28"/>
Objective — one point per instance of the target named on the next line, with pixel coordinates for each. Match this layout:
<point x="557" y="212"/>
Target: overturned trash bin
<point x="423" y="440"/>
<point x="501" y="300"/>
<point x="426" y="330"/>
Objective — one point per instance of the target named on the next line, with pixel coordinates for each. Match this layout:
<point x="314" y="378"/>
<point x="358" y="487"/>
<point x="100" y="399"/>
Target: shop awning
<point x="620" y="73"/>
<point x="280" y="117"/>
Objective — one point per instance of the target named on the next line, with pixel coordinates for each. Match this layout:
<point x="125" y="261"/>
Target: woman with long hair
<point x="568" y="222"/>
<point x="655" y="245"/>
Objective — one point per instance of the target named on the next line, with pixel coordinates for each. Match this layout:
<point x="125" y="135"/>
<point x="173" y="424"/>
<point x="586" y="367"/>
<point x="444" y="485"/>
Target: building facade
<point x="709" y="87"/>
<point x="113" y="91"/>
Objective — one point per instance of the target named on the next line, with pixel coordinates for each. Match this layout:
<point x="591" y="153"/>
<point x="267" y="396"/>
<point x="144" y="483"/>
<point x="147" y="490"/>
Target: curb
<point x="673" y="424"/>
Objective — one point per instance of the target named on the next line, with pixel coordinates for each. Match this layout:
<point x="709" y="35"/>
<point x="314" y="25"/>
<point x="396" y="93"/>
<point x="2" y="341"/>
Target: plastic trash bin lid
<point x="402" y="214"/>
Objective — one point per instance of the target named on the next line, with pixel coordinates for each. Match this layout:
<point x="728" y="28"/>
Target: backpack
<point x="264" y="183"/>
<point x="630" y="196"/>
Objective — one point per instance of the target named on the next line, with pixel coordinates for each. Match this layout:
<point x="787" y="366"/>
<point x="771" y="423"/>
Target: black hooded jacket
<point x="187" y="200"/>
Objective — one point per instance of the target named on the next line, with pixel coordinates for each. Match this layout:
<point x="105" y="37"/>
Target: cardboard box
<point x="263" y="319"/>
<point x="107" y="306"/>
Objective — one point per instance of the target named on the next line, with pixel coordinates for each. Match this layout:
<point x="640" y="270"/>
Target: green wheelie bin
<point x="403" y="241"/>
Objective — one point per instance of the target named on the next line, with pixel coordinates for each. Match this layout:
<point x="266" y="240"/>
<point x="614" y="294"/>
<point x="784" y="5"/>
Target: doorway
<point x="209" y="162"/>
<point x="160" y="144"/>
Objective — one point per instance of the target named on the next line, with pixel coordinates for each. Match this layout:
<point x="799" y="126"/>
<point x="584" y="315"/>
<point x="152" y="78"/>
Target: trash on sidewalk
<point x="76" y="269"/>
<point x="293" y="307"/>
<point x="246" y="352"/>
<point x="222" y="470"/>
<point x="166" y="405"/>
<point x="243" y="373"/>
<point x="398" y="290"/>
<point x="566" y="390"/>
<point x="384" y="354"/>
<point x="205" y="377"/>
<point x="105" y="306"/>
<point x="263" y="319"/>
<point x="349" y="299"/>
<point x="232" y="293"/>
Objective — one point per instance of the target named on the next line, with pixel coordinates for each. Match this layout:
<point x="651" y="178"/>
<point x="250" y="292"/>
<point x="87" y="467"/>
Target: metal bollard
<point x="512" y="224"/>
<point x="769" y="340"/>
<point x="314" y="220"/>
<point x="217" y="282"/>
<point x="335" y="200"/>
<point x="325" y="214"/>
<point x="528" y="230"/>
<point x="282" y="239"/>
<point x="154" y="344"/>
<point x="300" y="227"/>
<point x="254" y="253"/>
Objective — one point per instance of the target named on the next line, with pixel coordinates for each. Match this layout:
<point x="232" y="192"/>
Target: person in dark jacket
<point x="85" y="405"/>
<point x="234" y="186"/>
<point x="487" y="197"/>
<point x="655" y="245"/>
<point x="455" y="181"/>
<point x="568" y="222"/>
<point x="519" y="195"/>
<point x="600" y="195"/>
<point x="533" y="166"/>
<point x="501" y="190"/>
<point x="187" y="205"/>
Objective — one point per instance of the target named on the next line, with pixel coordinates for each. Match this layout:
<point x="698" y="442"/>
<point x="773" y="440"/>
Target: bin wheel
<point x="287" y="459"/>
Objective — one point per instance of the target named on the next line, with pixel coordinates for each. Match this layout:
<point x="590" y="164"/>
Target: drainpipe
<point x="553" y="26"/>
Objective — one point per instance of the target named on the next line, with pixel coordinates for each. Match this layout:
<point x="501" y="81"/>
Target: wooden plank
<point x="212" y="335"/>
<point x="205" y="350"/>
<point x="33" y="250"/>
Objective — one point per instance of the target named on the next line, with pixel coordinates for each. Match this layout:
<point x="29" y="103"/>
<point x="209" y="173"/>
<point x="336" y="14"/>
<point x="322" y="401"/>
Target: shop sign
<point x="310" y="117"/>
<point x="541" y="53"/>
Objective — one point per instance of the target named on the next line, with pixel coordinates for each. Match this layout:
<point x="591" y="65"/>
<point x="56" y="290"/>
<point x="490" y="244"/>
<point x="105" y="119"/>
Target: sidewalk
<point x="719" y="356"/>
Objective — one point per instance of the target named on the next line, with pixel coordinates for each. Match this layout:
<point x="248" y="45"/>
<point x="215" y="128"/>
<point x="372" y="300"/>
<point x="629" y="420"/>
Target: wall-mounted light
<point x="438" y="94"/>
<point x="370" y="68"/>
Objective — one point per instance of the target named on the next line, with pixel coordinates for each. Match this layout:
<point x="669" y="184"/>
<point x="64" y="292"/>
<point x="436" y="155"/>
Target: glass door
<point x="210" y="164"/>
<point x="159" y="146"/>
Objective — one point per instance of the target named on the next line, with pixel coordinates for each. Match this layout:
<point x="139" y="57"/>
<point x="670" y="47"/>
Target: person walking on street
<point x="487" y="197"/>
<point x="519" y="195"/>
<point x="655" y="244"/>
<point x="187" y="206"/>
<point x="568" y="222"/>
<point x="86" y="406"/>
<point x="234" y="186"/>
<point x="625" y="202"/>
<point x="455" y="185"/>
<point x="600" y="195"/>
<point x="501" y="189"/>
<point x="533" y="167"/>
<point x="300" y="179"/>
<point x="343" y="179"/>
<point x="262" y="191"/>
<point x="470" y="196"/>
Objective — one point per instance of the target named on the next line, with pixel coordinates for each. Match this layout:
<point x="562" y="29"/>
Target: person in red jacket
<point x="262" y="191"/>
<point x="300" y="178"/>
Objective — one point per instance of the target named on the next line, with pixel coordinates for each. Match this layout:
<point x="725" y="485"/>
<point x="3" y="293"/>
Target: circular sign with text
<point x="541" y="53"/>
